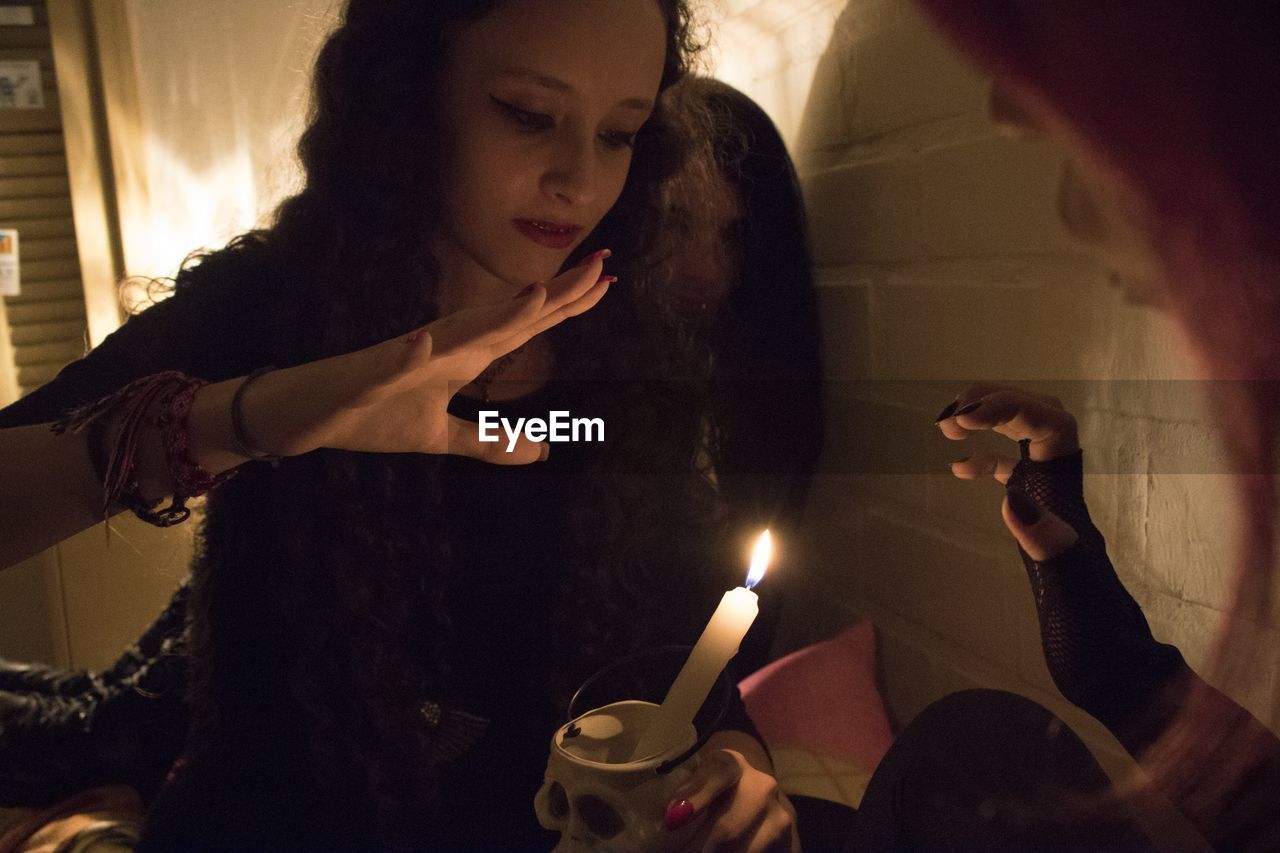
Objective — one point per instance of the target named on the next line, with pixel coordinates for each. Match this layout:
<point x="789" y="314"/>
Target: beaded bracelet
<point x="163" y="401"/>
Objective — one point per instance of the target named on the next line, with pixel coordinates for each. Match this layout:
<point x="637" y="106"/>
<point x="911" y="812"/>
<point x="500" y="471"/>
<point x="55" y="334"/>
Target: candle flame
<point x="760" y="559"/>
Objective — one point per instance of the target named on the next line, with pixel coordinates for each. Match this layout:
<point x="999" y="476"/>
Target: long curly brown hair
<point x="318" y="617"/>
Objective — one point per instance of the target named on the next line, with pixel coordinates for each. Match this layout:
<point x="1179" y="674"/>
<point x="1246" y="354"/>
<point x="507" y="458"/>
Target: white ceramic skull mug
<point x="601" y="800"/>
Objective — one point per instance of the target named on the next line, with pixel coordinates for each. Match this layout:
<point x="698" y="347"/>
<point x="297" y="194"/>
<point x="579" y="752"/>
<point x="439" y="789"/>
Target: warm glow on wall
<point x="203" y="137"/>
<point x="195" y="206"/>
<point x="769" y="49"/>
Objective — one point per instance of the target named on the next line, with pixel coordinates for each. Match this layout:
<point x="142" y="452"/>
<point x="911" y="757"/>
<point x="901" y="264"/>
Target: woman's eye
<point x="525" y="119"/>
<point x="617" y="139"/>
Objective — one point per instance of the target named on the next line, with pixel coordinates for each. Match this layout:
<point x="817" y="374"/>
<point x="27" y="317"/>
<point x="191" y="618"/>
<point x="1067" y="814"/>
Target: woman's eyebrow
<point x="555" y="84"/>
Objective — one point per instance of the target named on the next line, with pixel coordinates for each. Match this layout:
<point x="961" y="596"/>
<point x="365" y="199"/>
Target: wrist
<point x="245" y="444"/>
<point x="150" y="466"/>
<point x="210" y="437"/>
<point x="140" y="447"/>
<point x="744" y="744"/>
<point x="264" y="416"/>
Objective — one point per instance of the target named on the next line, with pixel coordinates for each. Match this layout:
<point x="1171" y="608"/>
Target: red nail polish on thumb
<point x="678" y="814"/>
<point x="528" y="289"/>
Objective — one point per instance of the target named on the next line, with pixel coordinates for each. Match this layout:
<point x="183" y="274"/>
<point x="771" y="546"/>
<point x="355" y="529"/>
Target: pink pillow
<point x="823" y="699"/>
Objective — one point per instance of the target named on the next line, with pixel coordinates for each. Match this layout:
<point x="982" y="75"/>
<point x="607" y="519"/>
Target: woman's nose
<point x="571" y="176"/>
<point x="1008" y="114"/>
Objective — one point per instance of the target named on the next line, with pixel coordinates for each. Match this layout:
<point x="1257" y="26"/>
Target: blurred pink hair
<point x="1175" y="105"/>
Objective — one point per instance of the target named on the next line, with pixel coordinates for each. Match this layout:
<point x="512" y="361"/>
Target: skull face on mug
<point x="600" y="800"/>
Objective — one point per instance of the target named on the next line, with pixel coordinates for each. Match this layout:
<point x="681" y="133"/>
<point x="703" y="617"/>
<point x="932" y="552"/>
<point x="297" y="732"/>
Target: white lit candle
<point x="717" y="645"/>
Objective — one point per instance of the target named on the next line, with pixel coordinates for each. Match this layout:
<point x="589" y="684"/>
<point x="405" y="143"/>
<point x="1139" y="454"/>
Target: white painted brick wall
<point x="941" y="261"/>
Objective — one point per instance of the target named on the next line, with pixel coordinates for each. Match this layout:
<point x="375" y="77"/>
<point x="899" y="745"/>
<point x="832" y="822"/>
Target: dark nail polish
<point x="678" y="814"/>
<point x="969" y="409"/>
<point x="961" y="459"/>
<point x="947" y="412"/>
<point x="1024" y="509"/>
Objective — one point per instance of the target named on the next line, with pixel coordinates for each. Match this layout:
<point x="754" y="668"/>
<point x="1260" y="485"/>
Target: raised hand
<point x="393" y="397"/>
<point x="1041" y="425"/>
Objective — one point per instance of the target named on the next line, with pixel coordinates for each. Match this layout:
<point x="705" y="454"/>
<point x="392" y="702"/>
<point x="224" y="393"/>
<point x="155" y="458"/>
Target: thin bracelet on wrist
<point x="237" y="420"/>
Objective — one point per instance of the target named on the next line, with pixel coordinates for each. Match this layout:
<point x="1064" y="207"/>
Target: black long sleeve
<point x="1103" y="658"/>
<point x="1096" y="641"/>
<point x="65" y="731"/>
<point x="214" y="327"/>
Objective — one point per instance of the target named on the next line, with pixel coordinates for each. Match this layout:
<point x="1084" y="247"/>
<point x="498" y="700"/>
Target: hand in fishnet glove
<point x="1097" y="644"/>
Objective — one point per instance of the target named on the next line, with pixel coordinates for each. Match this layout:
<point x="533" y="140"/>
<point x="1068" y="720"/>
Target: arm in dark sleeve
<point x="61" y="732"/>
<point x="1103" y="658"/>
<point x="208" y="329"/>
<point x="1097" y="644"/>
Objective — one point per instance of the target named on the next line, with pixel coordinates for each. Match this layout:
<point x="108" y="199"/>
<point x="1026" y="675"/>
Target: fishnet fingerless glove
<point x="1096" y="641"/>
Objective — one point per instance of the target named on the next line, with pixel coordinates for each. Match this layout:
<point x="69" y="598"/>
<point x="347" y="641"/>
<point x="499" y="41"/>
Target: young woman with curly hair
<point x="382" y="635"/>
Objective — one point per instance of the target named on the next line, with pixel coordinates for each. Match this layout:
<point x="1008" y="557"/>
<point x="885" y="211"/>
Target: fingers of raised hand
<point x="464" y="440"/>
<point x="486" y="325"/>
<point x="981" y="389"/>
<point x="580" y="305"/>
<point x="575" y="282"/>
<point x="981" y="465"/>
<point x="1017" y="415"/>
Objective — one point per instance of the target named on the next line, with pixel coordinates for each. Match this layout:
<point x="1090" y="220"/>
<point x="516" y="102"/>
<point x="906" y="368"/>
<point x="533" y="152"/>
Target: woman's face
<point x="1090" y="214"/>
<point x="541" y="103"/>
<point x="706" y="221"/>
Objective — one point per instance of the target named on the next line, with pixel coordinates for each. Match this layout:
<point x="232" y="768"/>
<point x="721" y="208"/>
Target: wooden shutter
<point x="47" y="320"/>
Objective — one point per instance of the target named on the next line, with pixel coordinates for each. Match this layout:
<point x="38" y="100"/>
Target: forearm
<point x="1103" y="657"/>
<point x="49" y="489"/>
<point x="1099" y="648"/>
<point x="1097" y="644"/>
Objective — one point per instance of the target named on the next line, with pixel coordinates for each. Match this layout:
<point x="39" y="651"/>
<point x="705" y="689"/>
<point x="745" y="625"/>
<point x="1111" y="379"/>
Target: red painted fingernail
<point x="606" y="279"/>
<point x="678" y="814"/>
<point x="412" y="336"/>
<point x="595" y="256"/>
<point x="527" y="290"/>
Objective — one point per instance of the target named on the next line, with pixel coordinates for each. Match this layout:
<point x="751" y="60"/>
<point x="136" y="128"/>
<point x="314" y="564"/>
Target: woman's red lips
<point x="553" y="235"/>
